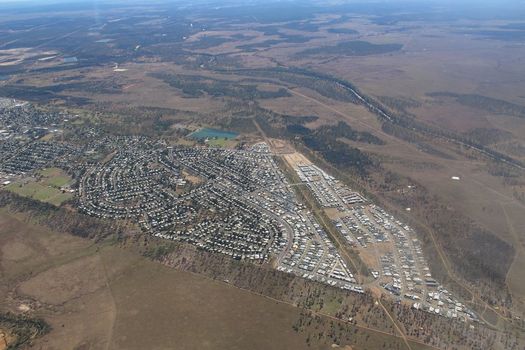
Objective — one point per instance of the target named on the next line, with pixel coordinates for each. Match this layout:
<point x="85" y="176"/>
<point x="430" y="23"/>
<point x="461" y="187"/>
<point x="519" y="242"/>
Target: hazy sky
<point x="451" y="3"/>
<point x="496" y="2"/>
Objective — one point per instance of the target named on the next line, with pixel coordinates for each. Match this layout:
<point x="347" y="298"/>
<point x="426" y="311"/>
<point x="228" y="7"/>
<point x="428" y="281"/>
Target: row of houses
<point x="401" y="268"/>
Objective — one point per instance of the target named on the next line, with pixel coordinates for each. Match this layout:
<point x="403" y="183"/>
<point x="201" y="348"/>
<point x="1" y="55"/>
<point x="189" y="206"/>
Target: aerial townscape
<point x="237" y="202"/>
<point x="263" y="175"/>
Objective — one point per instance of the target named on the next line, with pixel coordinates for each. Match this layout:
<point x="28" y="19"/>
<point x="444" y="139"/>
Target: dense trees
<point x="338" y="153"/>
<point x="197" y="86"/>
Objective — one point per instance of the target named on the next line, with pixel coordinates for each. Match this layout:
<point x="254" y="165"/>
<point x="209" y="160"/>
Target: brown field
<point x="295" y="159"/>
<point x="371" y="256"/>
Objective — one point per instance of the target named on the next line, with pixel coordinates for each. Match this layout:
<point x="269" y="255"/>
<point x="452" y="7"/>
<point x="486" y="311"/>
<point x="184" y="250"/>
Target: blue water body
<point x="207" y="133"/>
<point x="4" y="77"/>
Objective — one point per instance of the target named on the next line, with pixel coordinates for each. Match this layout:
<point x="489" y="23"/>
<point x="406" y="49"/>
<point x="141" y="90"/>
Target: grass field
<point x="222" y="142"/>
<point x="40" y="192"/>
<point x="47" y="189"/>
<point x="55" y="177"/>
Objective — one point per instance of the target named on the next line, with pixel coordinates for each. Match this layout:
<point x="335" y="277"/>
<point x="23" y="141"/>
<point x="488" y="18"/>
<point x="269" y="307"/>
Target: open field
<point x="46" y="189"/>
<point x="41" y="192"/>
<point x="55" y="177"/>
<point x="222" y="143"/>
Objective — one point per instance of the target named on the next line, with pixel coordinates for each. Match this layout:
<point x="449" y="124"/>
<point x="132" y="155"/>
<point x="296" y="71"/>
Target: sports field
<point x="47" y="188"/>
